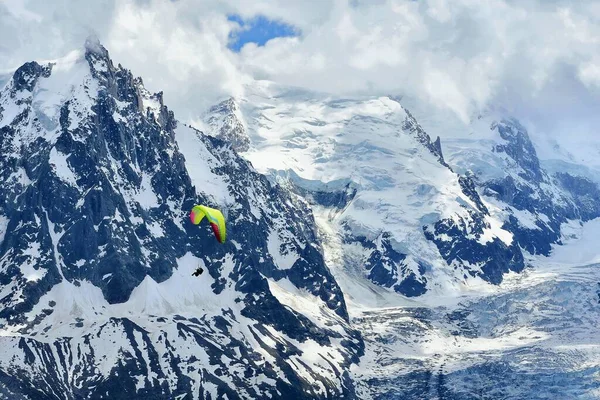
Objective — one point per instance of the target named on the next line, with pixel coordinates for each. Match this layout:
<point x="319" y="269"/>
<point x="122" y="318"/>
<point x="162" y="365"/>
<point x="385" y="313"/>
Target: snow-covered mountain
<point x="446" y="224"/>
<point x="535" y="202"/>
<point x="401" y="212"/>
<point x="423" y="216"/>
<point x="97" y="252"/>
<point x="364" y="259"/>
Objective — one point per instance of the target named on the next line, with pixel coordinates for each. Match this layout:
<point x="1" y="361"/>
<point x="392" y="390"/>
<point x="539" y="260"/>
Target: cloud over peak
<point x="461" y="55"/>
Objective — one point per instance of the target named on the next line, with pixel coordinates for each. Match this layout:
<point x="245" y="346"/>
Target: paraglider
<point x="215" y="218"/>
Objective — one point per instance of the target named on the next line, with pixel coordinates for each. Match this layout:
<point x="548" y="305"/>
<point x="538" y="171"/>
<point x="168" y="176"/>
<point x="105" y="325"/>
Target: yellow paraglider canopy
<point x="215" y="218"/>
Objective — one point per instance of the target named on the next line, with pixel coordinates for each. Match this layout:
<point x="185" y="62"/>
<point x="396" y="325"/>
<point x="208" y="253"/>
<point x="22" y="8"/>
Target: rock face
<point x="96" y="254"/>
<point x="385" y="264"/>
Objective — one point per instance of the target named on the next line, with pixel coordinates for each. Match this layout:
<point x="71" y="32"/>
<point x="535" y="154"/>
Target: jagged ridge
<point x="97" y="254"/>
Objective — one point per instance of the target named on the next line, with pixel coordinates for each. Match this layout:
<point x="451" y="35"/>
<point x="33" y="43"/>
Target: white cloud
<point x="39" y="29"/>
<point x="589" y="73"/>
<point x="458" y="54"/>
<point x="178" y="49"/>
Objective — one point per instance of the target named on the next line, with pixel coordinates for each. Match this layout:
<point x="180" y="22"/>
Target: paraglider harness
<point x="198" y="271"/>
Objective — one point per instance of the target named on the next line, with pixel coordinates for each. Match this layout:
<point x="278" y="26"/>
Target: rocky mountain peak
<point x="26" y="76"/>
<point x="226" y="122"/>
<point x="97" y="252"/>
<point x="518" y="147"/>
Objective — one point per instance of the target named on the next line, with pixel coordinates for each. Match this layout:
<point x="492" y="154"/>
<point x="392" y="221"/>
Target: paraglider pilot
<point x="217" y="223"/>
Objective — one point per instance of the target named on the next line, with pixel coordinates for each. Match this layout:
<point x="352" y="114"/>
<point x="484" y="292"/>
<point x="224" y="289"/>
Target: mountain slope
<point x="97" y="253"/>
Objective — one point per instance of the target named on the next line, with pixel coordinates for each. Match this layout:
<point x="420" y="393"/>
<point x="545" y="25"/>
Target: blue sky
<point x="258" y="30"/>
